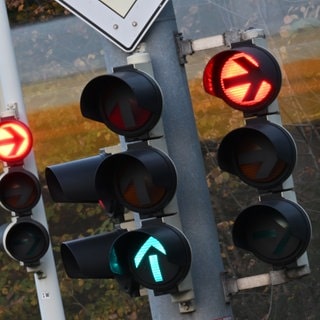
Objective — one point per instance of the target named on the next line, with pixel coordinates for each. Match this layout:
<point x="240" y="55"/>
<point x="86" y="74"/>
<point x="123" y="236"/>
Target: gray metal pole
<point x="193" y="196"/>
<point x="47" y="284"/>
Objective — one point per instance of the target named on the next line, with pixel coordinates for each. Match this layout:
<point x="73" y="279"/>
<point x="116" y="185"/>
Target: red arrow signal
<point x="246" y="78"/>
<point x="243" y="81"/>
<point x="15" y="141"/>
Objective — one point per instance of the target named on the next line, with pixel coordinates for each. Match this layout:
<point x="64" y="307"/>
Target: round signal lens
<point x="20" y="190"/>
<point x="25" y="240"/>
<point x="15" y="141"/>
<point x="246" y="78"/>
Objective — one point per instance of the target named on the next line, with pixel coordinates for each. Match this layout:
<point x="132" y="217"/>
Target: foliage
<point x="26" y="11"/>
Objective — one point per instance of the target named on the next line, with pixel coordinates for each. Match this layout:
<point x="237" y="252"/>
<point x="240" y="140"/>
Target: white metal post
<point x="46" y="279"/>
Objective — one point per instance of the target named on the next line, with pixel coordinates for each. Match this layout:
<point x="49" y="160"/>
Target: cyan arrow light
<point x="153" y="258"/>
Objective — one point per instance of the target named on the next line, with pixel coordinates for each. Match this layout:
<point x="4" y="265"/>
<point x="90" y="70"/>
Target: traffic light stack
<point x="23" y="239"/>
<point x="141" y="179"/>
<point x="262" y="154"/>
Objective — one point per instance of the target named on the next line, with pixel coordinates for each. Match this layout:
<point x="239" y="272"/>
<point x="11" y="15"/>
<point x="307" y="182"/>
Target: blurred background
<point x="57" y="54"/>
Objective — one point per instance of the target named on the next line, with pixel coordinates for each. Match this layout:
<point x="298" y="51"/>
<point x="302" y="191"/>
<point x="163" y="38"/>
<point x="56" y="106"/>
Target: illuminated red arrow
<point x="243" y="80"/>
<point x="15" y="140"/>
<point x="253" y="76"/>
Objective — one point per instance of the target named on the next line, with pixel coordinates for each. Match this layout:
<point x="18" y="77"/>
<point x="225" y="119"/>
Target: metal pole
<point x="46" y="279"/>
<point x="193" y="196"/>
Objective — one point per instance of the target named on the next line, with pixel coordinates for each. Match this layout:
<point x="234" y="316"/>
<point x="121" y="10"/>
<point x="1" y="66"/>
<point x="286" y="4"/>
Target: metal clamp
<point x="233" y="285"/>
<point x="189" y="47"/>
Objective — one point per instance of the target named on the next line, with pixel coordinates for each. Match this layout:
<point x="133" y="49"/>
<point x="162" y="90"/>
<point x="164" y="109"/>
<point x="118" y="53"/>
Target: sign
<point x="122" y="8"/>
<point x="15" y="140"/>
<point x="123" y="22"/>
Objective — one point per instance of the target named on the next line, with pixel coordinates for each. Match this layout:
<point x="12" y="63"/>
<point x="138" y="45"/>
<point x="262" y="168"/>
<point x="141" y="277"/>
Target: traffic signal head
<point x="141" y="179"/>
<point x="15" y="141"/>
<point x="277" y="231"/>
<point x="157" y="256"/>
<point x="25" y="240"/>
<point x="247" y="78"/>
<point x="75" y="181"/>
<point x="262" y="154"/>
<point x="88" y="257"/>
<point x="129" y="102"/>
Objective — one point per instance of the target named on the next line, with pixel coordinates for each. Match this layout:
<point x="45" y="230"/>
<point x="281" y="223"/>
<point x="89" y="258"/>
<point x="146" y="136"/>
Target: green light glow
<point x="153" y="259"/>
<point x="155" y="268"/>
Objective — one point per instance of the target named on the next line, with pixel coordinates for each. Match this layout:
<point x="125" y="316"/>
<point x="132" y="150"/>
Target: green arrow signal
<point x="153" y="259"/>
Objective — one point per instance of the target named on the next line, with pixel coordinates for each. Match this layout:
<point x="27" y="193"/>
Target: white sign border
<point x="125" y="32"/>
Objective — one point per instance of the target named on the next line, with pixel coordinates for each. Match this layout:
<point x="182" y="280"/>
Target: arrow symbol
<point x="263" y="154"/>
<point x="273" y="234"/>
<point x="253" y="77"/>
<point x="153" y="258"/>
<point x="121" y="113"/>
<point x="134" y="187"/>
<point x="15" y="140"/>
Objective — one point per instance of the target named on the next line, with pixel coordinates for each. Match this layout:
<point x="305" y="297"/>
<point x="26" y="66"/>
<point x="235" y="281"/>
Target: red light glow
<point x="15" y="141"/>
<point x="247" y="78"/>
<point x="237" y="83"/>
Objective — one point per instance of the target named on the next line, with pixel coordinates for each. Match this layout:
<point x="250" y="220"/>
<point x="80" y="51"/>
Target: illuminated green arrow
<point x="153" y="258"/>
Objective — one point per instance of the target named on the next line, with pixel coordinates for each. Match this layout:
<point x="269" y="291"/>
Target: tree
<point x="28" y="11"/>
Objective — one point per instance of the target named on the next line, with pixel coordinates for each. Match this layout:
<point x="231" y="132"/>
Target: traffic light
<point x="157" y="256"/>
<point x="128" y="102"/>
<point x="75" y="182"/>
<point x="262" y="153"/>
<point x="246" y="77"/>
<point x="141" y="178"/>
<point x="24" y="239"/>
